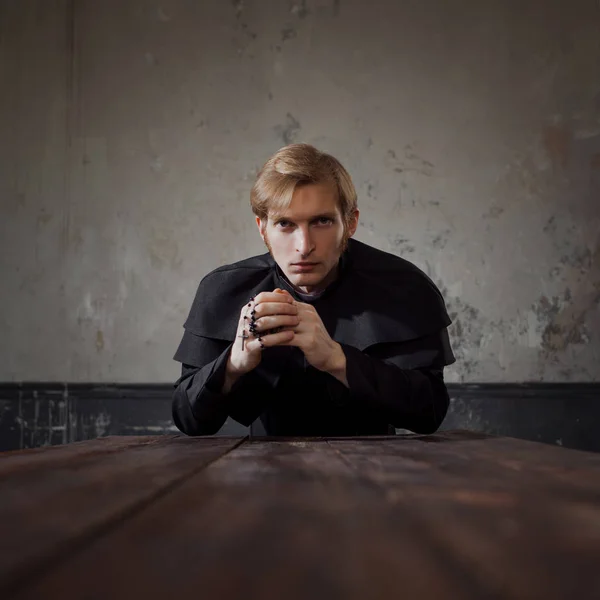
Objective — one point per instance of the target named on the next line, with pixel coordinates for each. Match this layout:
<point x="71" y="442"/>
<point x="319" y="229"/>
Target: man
<point x="322" y="335"/>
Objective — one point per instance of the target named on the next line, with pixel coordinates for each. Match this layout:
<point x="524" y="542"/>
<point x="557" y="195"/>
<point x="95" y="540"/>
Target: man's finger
<point x="270" y="322"/>
<point x="265" y="297"/>
<point x="272" y="297"/>
<point x="275" y="308"/>
<point x="273" y="339"/>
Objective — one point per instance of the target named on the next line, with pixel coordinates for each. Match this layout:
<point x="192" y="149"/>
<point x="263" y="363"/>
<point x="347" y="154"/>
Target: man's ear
<point x="261" y="227"/>
<point x="353" y="223"/>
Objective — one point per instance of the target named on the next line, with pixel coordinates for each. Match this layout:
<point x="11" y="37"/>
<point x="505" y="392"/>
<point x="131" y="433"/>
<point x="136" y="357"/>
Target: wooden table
<point x="454" y="515"/>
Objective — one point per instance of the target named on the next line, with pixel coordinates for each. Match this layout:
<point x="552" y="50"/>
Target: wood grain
<point x="446" y="516"/>
<point x="48" y="513"/>
<point x="50" y="456"/>
<point x="523" y="517"/>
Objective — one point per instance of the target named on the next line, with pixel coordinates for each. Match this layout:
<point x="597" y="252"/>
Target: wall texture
<point x="132" y="132"/>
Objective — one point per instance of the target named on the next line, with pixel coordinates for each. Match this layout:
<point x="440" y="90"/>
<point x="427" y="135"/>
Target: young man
<point x="322" y="335"/>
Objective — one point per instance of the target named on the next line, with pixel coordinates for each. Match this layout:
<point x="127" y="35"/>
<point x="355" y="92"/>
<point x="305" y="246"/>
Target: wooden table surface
<point x="452" y="515"/>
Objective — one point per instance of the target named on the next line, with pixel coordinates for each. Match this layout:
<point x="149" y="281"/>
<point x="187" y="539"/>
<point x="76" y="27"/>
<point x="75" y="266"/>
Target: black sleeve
<point x="401" y="382"/>
<point x="199" y="407"/>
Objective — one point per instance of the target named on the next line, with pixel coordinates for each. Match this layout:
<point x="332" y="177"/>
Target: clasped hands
<point x="295" y="324"/>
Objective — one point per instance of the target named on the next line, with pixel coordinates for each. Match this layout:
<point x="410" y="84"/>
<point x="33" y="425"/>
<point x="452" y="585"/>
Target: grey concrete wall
<point x="132" y="132"/>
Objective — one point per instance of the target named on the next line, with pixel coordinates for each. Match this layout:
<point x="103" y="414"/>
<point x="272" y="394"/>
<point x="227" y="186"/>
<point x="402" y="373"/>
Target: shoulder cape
<point x="379" y="297"/>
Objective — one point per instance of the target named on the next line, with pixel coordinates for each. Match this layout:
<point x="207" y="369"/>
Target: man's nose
<point x="304" y="243"/>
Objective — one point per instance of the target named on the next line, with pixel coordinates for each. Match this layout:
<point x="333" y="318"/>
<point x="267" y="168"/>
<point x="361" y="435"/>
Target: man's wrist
<point x="231" y="376"/>
<point x="337" y="364"/>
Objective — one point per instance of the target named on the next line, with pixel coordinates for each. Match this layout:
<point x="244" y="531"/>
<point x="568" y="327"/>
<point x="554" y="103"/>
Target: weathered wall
<point x="132" y="131"/>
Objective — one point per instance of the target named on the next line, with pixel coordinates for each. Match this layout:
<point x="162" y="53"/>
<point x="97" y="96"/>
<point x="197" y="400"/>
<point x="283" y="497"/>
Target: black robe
<point x="389" y="318"/>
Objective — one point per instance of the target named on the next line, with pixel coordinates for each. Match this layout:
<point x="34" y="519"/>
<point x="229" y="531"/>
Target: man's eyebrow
<point x="330" y="215"/>
<point x="324" y="216"/>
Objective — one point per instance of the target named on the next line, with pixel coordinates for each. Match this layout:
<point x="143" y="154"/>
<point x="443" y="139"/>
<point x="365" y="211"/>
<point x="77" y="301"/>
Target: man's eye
<point x="283" y="224"/>
<point x="324" y="221"/>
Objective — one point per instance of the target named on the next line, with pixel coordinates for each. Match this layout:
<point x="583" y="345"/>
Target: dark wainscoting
<point x="565" y="414"/>
<point x="38" y="414"/>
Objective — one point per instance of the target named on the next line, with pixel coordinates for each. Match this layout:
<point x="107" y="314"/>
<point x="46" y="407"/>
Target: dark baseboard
<point x="565" y="414"/>
<point x="39" y="414"/>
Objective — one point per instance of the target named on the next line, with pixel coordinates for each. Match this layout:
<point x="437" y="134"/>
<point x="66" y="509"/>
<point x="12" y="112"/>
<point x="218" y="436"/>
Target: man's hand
<point x="271" y="310"/>
<point x="312" y="338"/>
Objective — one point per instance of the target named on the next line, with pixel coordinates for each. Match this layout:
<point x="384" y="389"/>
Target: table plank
<point x="268" y="520"/>
<point x="50" y="456"/>
<point x="494" y="462"/>
<point x="525" y="517"/>
<point x="47" y="513"/>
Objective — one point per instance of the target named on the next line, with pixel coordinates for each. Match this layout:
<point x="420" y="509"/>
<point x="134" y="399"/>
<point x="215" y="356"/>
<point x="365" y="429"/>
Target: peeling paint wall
<point x="132" y="132"/>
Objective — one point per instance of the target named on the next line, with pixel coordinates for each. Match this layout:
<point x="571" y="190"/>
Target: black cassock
<point x="389" y="318"/>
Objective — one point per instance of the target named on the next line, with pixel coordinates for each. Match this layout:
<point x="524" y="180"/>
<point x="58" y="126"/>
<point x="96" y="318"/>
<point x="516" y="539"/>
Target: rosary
<point x="244" y="337"/>
<point x="252" y="327"/>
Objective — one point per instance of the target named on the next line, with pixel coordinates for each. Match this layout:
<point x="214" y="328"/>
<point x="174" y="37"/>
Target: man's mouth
<point x="304" y="266"/>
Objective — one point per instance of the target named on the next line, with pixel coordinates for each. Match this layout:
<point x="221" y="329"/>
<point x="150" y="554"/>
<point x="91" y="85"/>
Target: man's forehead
<point x="305" y="213"/>
<point x="307" y="207"/>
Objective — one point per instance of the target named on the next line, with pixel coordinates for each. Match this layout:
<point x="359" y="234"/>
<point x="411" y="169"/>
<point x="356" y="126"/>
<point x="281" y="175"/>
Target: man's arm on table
<point x="200" y="406"/>
<point x="401" y="382"/>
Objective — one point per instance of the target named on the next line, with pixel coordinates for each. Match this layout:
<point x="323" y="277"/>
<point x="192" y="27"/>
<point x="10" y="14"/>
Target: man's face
<point x="307" y="240"/>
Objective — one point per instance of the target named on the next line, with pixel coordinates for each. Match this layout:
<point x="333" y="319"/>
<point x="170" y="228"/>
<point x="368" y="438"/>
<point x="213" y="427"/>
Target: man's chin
<point x="299" y="280"/>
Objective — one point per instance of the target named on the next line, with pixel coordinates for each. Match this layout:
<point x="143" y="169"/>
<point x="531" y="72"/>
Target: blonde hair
<point x="300" y="164"/>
